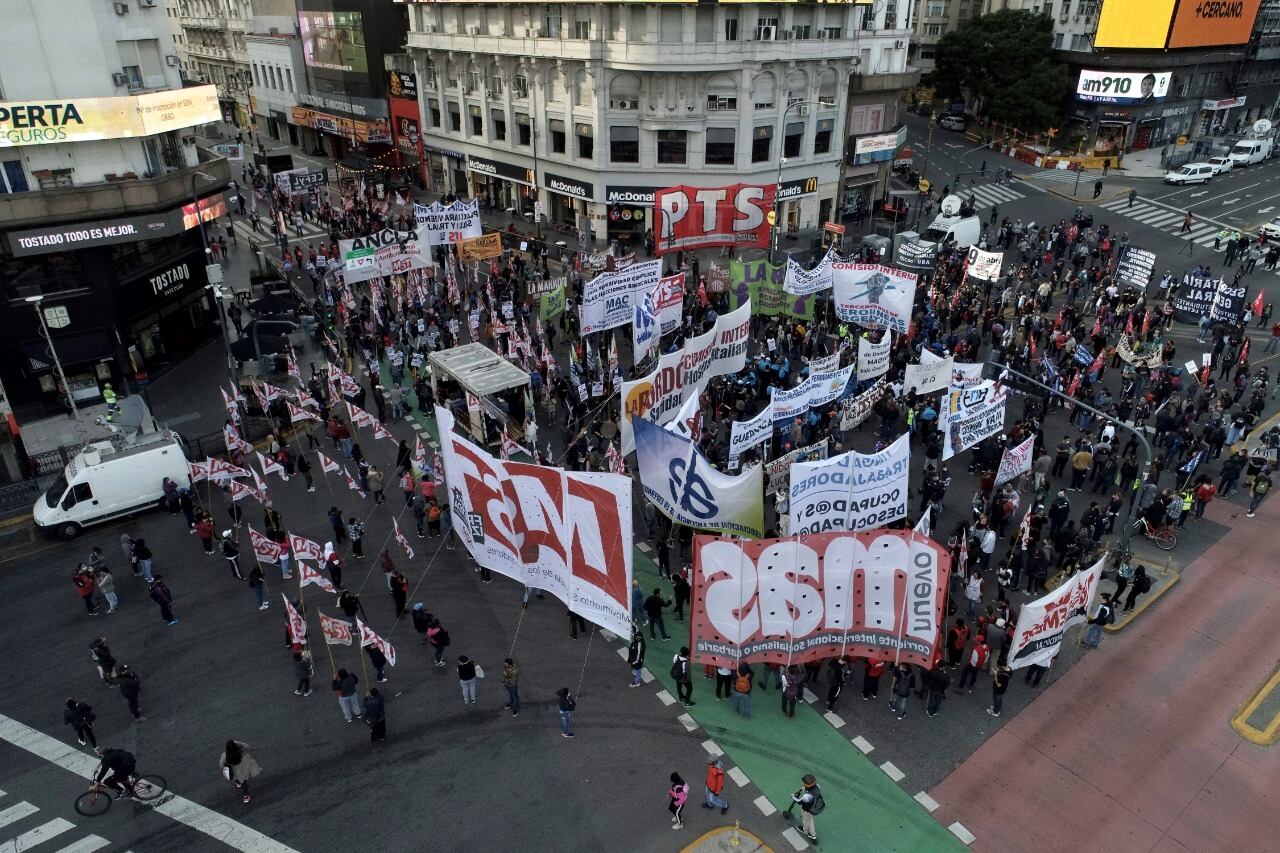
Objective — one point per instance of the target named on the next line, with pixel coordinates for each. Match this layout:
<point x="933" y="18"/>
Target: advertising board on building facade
<point x="89" y="119"/>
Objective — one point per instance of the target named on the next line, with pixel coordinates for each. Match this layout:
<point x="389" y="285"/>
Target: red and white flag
<point x="614" y="458"/>
<point x="354" y="486"/>
<point x="239" y="491"/>
<point x="270" y="466"/>
<point x="369" y="638"/>
<point x="327" y="465"/>
<point x="198" y="471"/>
<point x="379" y="431"/>
<point x="305" y="399"/>
<point x="220" y="471"/>
<point x="359" y="416"/>
<point x="337" y="632"/>
<point x="233" y="411"/>
<point x="404" y="543"/>
<point x="308" y="575"/>
<point x="297" y="625"/>
<point x="297" y="413"/>
<point x="305" y="549"/>
<point x="263" y="548"/>
<point x="271" y="392"/>
<point x="420" y="456"/>
<point x="1257" y="305"/>
<point x="234" y="441"/>
<point x="293" y="367"/>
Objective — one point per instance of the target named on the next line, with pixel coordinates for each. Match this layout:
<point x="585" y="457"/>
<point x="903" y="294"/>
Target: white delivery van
<point x="107" y="480"/>
<point x="954" y="222"/>
<point x="1246" y="152"/>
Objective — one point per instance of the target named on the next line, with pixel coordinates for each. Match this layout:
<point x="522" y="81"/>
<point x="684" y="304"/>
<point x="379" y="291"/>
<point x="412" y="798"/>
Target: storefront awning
<point x="72" y="349"/>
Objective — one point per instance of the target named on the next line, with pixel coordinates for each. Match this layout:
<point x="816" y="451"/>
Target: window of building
<point x="134" y="74"/>
<point x="822" y="136"/>
<point x="792" y="139"/>
<point x="671" y="24"/>
<point x="477" y="120"/>
<point x="766" y="29"/>
<point x="936" y="9"/>
<point x="801" y="31"/>
<point x="731" y="26"/>
<point x="288" y="79"/>
<point x="582" y="22"/>
<point x="762" y="144"/>
<point x="455" y="118"/>
<point x="720" y="146"/>
<point x="624" y="92"/>
<point x="472" y="80"/>
<point x="429" y="72"/>
<point x="832" y="32"/>
<point x="498" y="124"/>
<point x="12" y="178"/>
<point x="722" y="93"/>
<point x="556" y="128"/>
<point x="638" y="29"/>
<point x="524" y="129"/>
<point x="934" y="29"/>
<point x="520" y="87"/>
<point x="551" y="23"/>
<point x="673" y="146"/>
<point x="50" y="179"/>
<point x="433" y="110"/>
<point x="494" y="86"/>
<point x="624" y="144"/>
<point x="586" y="141"/>
<point x="257" y="78"/>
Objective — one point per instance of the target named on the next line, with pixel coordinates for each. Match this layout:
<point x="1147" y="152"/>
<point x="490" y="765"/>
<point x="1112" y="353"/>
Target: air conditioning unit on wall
<point x="121" y="8"/>
<point x="120" y="78"/>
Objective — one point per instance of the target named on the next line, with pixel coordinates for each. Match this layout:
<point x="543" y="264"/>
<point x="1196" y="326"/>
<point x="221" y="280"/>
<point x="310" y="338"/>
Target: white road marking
<point x="88" y="844"/>
<point x="794" y="839"/>
<point x="688" y="722"/>
<point x="39" y="835"/>
<point x="834" y="719"/>
<point x="1197" y="195"/>
<point x="927" y="801"/>
<point x="218" y="827"/>
<point x="712" y="749"/>
<point x="622" y="653"/>
<point x="13" y="814"/>
<point x="666" y="698"/>
<point x="863" y="744"/>
<point x="1230" y="201"/>
<point x="609" y="637"/>
<point x="809" y="697"/>
<point x="739" y="778"/>
<point x="765" y="807"/>
<point x="645" y="675"/>
<point x="892" y="772"/>
<point x="958" y="830"/>
<point x="1266" y="209"/>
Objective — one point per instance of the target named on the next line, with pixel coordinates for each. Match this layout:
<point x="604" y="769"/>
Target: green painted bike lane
<point x="866" y="810"/>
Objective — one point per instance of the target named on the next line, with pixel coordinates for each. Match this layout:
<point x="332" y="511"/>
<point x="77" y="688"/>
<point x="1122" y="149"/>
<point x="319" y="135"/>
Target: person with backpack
<point x="871" y="679"/>
<point x="1105" y="616"/>
<point x="1141" y="585"/>
<point x="1257" y="492"/>
<point x="635" y="655"/>
<point x="977" y="662"/>
<point x="567" y="705"/>
<point x="677" y="794"/>
<point x="741" y="701"/>
<point x="903" y="682"/>
<point x="680" y="671"/>
<point x="937" y="681"/>
<point x="104" y="660"/>
<point x="238" y="766"/>
<point x="85" y="586"/>
<point x="792" y="687"/>
<point x="715" y="784"/>
<point x="438" y="637"/>
<point x="80" y="716"/>
<point x="809" y="799"/>
<point x="957" y="639"/>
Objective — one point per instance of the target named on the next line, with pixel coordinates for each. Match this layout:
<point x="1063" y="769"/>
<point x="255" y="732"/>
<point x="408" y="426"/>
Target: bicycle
<point x="1164" y="537"/>
<point x="97" y="800"/>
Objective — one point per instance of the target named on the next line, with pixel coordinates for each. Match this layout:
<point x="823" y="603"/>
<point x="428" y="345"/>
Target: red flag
<point x="304" y="548"/>
<point x="1244" y="351"/>
<point x="1204" y="375"/>
<point x="369" y="638"/>
<point x="239" y="491"/>
<point x="1097" y="362"/>
<point x="1257" y="304"/>
<point x="198" y="471"/>
<point x="404" y="543"/>
<point x="1097" y="325"/>
<point x="1146" y="323"/>
<point x="337" y="632"/>
<point x="263" y="548"/>
<point x="327" y="465"/>
<point x="308" y="575"/>
<point x="1057" y="324"/>
<point x="270" y="466"/>
<point x="297" y="625"/>
<point x="379" y="431"/>
<point x="1033" y="346"/>
<point x="359" y="416"/>
<point x="299" y="414"/>
<point x="1075" y="385"/>
<point x="1128" y="324"/>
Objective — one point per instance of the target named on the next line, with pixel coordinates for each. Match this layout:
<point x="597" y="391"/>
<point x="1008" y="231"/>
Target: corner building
<point x="587" y="108"/>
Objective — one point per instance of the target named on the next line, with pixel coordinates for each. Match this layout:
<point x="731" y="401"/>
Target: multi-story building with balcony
<point x="276" y="65"/>
<point x="99" y="180"/>
<point x="585" y="109"/>
<point x="936" y="18"/>
<point x="213" y="50"/>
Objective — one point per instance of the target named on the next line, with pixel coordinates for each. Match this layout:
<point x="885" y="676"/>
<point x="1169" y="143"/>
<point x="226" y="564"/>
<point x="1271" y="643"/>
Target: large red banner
<point x="703" y="217"/>
<point x="878" y="594"/>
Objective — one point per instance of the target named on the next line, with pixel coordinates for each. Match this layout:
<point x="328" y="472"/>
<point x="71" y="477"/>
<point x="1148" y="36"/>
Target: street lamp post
<point x="195" y="200"/>
<point x="216" y="293"/>
<point x="53" y="351"/>
<point x="777" y="186"/>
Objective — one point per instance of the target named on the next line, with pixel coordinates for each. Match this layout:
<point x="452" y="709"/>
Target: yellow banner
<point x="1134" y="23"/>
<point x="88" y="119"/>
<point x="480" y="248"/>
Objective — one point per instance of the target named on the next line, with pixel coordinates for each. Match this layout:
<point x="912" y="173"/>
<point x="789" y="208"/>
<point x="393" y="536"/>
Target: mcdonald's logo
<point x="811" y="184"/>
<point x="795" y="189"/>
<point x="530" y="177"/>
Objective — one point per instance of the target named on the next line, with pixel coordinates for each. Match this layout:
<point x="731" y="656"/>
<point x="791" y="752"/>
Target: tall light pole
<point x="195" y="200"/>
<point x="57" y="364"/>
<point x="777" y="184"/>
<point x="216" y="292"/>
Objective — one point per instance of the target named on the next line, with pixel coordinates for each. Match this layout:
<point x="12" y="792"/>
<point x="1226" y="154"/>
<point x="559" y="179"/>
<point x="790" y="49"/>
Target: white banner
<point x="855" y="410"/>
<point x="644" y="327"/>
<point x="964" y="375"/>
<point x="658" y="396"/>
<point x="971" y="414"/>
<point x="802" y="282"/>
<point x="928" y="375"/>
<point x="873" y="295"/>
<point x="608" y="300"/>
<point x="681" y="483"/>
<point x="778" y="471"/>
<point x="1041" y="623"/>
<point x="658" y="313"/>
<point x="386" y="252"/>
<point x="566" y="532"/>
<point x="852" y="491"/>
<point x="817" y="389"/>
<point x="873" y="359"/>
<point x="984" y="265"/>
<point x="747" y="434"/>
<point x="1015" y="462"/>
<point x="443" y="224"/>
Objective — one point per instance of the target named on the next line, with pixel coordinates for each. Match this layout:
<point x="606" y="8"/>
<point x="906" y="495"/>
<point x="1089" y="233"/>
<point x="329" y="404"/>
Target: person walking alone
<point x="715" y="784"/>
<point x="511" y="683"/>
<point x="809" y="799"/>
<point x="653" y="609"/>
<point x="131" y="690"/>
<point x="999" y="684"/>
<point x="344" y="684"/>
<point x="375" y="714"/>
<point x="683" y="677"/>
<point x="238" y="766"/>
<point x="161" y="595"/>
<point x="567" y="705"/>
<point x="677" y="794"/>
<point x="258" y="583"/>
<point x="231" y="553"/>
<point x="635" y="655"/>
<point x="1105" y="616"/>
<point x="468" y="673"/>
<point x="80" y="716"/>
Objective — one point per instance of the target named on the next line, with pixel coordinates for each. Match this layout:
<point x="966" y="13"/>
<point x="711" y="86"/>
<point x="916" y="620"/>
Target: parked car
<point x="1271" y="229"/>
<point x="951" y="121"/>
<point x="1220" y="164"/>
<point x="1191" y="173"/>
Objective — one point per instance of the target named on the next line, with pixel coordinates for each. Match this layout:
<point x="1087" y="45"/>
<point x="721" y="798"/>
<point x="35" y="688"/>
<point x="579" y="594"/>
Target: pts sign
<point x="698" y="217"/>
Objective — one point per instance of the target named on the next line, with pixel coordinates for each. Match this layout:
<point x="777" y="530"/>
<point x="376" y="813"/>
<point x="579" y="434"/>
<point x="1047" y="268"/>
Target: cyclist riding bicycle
<point x="120" y="765"/>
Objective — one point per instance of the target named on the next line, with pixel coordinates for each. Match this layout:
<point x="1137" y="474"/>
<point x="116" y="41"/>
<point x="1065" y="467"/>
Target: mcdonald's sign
<point x="795" y="189"/>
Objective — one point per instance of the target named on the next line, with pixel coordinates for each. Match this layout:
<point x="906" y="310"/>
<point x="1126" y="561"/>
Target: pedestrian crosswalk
<point x="1203" y="232"/>
<point x="988" y="195"/>
<point x="1064" y="176"/>
<point x="21" y="818"/>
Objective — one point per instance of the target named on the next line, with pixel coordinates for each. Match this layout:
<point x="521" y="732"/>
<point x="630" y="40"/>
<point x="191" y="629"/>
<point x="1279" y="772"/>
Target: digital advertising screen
<point x="333" y="41"/>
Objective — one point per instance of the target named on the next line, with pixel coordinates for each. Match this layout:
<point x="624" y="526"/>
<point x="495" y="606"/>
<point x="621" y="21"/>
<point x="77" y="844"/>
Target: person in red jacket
<point x="715" y="784"/>
<point x="976" y="663"/>
<point x="85" y="587"/>
<point x="957" y="639"/>
<point x="1205" y="493"/>
<point x="871" y="679"/>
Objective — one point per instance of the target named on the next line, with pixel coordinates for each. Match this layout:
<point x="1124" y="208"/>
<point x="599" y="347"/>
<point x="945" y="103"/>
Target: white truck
<point x="1254" y="148"/>
<point x="955" y="221"/>
<point x="110" y="479"/>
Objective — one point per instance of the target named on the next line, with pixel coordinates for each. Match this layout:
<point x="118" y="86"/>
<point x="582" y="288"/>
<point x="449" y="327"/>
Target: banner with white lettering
<point x="852" y="491"/>
<point x="566" y="532"/>
<point x="445" y="224"/>
<point x="1041" y="623"/>
<point x="971" y="414"/>
<point x="873" y="358"/>
<point x="1135" y="266"/>
<point x="817" y="389"/>
<point x="984" y="265"/>
<point x="855" y="410"/>
<point x="1222" y="301"/>
<point x="681" y="483"/>
<point x="681" y="374"/>
<point x="801" y="282"/>
<point x="878" y="595"/>
<point x="608" y="300"/>
<point x="383" y="253"/>
<point x="777" y="472"/>
<point x="703" y="217"/>
<point x="873" y="295"/>
<point x="928" y="375"/>
<point x="745" y="435"/>
<point x="1015" y="461"/>
<point x="919" y="258"/>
